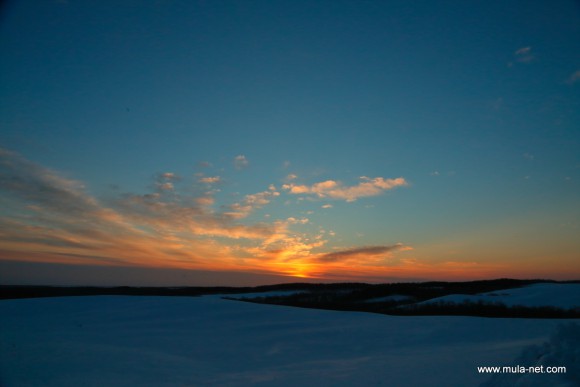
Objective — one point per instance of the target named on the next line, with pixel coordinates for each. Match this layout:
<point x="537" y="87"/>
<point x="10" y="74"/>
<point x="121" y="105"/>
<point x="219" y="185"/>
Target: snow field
<point x="564" y="296"/>
<point x="208" y="341"/>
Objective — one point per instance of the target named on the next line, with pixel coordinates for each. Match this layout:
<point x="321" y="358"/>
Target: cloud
<point x="51" y="214"/>
<point x="241" y="162"/>
<point x="205" y="201"/>
<point x="361" y="253"/>
<point x="574" y="77"/>
<point x="293" y="220"/>
<point x="251" y="203"/>
<point x="27" y="181"/>
<point x="336" y="190"/>
<point x="210" y="179"/>
<point x="191" y="216"/>
<point x="165" y="181"/>
<point x="165" y="186"/>
<point x="523" y="51"/>
<point x="169" y="176"/>
<point x="290" y="250"/>
<point x="524" y="54"/>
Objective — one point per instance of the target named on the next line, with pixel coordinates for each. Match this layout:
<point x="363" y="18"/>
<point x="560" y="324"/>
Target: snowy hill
<point x="208" y="341"/>
<point x="565" y="296"/>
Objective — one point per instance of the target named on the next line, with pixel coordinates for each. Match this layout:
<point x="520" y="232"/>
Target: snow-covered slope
<point x="207" y="341"/>
<point x="545" y="294"/>
<point x="273" y="293"/>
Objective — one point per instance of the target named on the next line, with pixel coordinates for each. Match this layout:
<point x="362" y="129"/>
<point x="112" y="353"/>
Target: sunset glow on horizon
<point x="318" y="141"/>
<point x="180" y="224"/>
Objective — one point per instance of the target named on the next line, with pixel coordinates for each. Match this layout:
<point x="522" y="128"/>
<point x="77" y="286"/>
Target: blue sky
<point x="474" y="106"/>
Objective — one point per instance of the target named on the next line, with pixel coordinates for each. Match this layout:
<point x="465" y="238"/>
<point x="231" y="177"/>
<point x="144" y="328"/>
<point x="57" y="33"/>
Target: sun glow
<point x="300" y="270"/>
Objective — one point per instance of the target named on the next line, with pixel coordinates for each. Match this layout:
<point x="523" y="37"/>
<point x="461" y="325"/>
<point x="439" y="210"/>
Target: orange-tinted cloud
<point x="251" y="203"/>
<point x="336" y="190"/>
<point x="210" y="179"/>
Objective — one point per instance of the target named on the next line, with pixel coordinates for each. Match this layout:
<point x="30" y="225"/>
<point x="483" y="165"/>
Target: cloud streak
<point x="27" y="181"/>
<point x="361" y="253"/>
<point x="336" y="190"/>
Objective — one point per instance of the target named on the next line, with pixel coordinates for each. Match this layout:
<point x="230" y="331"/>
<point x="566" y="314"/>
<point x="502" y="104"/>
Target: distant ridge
<point x="364" y="290"/>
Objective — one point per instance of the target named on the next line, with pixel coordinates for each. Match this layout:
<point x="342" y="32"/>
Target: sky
<point x="251" y="142"/>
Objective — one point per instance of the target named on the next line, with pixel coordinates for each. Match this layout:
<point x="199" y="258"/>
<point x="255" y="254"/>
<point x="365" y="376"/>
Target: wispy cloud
<point x="53" y="214"/>
<point x="27" y="181"/>
<point x="287" y="249"/>
<point x="336" y="190"/>
<point x="165" y="181"/>
<point x="210" y="179"/>
<point x="293" y="220"/>
<point x="175" y="215"/>
<point x="251" y="203"/>
<point x="361" y="253"/>
<point x="241" y="162"/>
<point x="524" y="54"/>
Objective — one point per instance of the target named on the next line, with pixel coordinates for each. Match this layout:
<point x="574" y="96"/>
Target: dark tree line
<point x="338" y="296"/>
